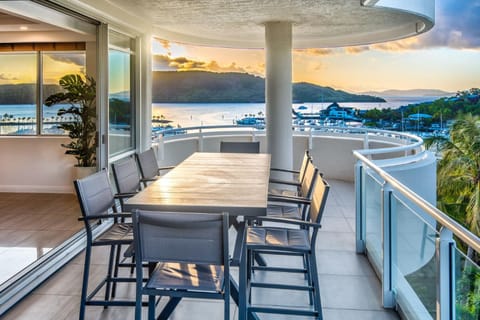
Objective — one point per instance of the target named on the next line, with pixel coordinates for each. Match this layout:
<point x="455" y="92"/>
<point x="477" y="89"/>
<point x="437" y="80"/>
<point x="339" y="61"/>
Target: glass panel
<point x="415" y="261"/>
<point x="55" y="66"/>
<point x="18" y="93"/>
<point x="373" y="221"/>
<point x="467" y="287"/>
<point x="121" y="108"/>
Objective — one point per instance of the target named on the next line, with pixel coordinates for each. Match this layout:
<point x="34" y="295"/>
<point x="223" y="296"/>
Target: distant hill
<point x="202" y="86"/>
<point x="410" y="93"/>
<point x="23" y="93"/>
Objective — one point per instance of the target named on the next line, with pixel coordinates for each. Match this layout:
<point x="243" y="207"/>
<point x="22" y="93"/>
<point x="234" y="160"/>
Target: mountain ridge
<point x="410" y="92"/>
<point x="210" y="87"/>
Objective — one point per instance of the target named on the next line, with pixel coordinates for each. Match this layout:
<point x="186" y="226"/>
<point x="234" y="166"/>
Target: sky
<point x="445" y="58"/>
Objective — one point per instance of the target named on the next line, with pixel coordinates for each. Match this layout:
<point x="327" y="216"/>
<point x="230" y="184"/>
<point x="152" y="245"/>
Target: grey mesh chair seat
<point x="283" y="192"/>
<point x="271" y="238"/>
<point x="119" y="233"/>
<point x="186" y="276"/>
<point x="286" y="211"/>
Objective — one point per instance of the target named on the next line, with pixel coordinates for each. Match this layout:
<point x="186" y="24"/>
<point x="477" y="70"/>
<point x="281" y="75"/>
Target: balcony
<point x="384" y="251"/>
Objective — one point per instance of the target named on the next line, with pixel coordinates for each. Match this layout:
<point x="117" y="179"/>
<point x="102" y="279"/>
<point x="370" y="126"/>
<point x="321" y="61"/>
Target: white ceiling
<point x="11" y="23"/>
<point x="16" y="28"/>
<point x="239" y="23"/>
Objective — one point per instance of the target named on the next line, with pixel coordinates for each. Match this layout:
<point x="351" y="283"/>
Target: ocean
<point x="196" y="114"/>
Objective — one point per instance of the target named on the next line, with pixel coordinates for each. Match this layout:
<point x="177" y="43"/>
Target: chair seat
<point x="119" y="233"/>
<point x="281" y="238"/>
<point x="283" y="192"/>
<point x="185" y="276"/>
<point x="284" y="211"/>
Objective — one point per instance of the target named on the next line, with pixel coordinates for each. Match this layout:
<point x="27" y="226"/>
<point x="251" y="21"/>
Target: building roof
<point x="240" y="23"/>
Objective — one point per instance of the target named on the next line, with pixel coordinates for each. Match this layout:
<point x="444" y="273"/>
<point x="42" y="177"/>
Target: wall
<point x="332" y="153"/>
<point x="35" y="164"/>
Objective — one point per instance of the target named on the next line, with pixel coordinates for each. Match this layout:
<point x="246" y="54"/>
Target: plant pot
<point x="82" y="172"/>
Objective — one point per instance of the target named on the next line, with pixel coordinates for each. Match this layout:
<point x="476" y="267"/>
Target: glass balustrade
<point x="467" y="287"/>
<point x="425" y="260"/>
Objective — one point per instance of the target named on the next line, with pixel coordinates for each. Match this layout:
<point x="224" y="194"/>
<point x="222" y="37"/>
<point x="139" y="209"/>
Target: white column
<point x="278" y="92"/>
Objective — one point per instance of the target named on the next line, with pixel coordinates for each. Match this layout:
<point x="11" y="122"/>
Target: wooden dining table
<point x="236" y="183"/>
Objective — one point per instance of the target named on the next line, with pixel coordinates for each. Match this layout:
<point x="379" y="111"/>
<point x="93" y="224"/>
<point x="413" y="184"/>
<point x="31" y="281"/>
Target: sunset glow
<point x="445" y="58"/>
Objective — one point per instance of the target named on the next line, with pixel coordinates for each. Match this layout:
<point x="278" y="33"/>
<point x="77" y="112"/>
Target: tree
<point x="459" y="171"/>
<point x="80" y="94"/>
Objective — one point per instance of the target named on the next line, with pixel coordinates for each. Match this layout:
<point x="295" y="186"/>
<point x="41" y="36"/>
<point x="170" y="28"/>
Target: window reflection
<point x="55" y="66"/>
<point x="121" y="106"/>
<point x="18" y="93"/>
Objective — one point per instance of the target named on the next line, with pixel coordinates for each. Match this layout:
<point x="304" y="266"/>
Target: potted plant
<point x="80" y="94"/>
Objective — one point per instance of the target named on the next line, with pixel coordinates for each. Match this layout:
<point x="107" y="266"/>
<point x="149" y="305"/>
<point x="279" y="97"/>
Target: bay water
<point x="196" y="114"/>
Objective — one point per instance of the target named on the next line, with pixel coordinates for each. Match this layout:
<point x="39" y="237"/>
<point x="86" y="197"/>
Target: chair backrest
<point x="126" y="175"/>
<point x="240" y="147"/>
<point x="147" y="163"/>
<point x="181" y="237"/>
<point x="306" y="159"/>
<point x="308" y="182"/>
<point x="319" y="199"/>
<point x="95" y="194"/>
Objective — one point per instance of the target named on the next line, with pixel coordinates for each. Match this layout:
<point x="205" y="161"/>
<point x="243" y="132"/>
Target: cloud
<point x="164" y="43"/>
<point x="75" y="59"/>
<point x="7" y="77"/>
<point x="357" y="49"/>
<point x="456" y="26"/>
<point x="167" y="63"/>
<point x="316" y="51"/>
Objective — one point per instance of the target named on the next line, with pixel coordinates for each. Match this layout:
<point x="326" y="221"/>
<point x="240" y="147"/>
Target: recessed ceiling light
<point x="23" y="28"/>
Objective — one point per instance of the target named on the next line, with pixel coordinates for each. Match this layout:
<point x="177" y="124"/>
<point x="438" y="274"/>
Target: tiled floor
<point x="32" y="224"/>
<point x="350" y="289"/>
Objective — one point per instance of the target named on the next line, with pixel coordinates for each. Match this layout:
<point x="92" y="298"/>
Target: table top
<point x="210" y="182"/>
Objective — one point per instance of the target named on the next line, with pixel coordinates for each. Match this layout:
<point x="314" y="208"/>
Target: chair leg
<point x="307" y="262"/>
<point x="115" y="270"/>
<point x="226" y="309"/>
<point x="151" y="307"/>
<point x="317" y="304"/>
<point x="109" y="275"/>
<point x="86" y="270"/>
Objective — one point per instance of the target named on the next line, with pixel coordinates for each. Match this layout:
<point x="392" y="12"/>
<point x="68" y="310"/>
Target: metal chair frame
<point x="160" y="240"/>
<point x="309" y="229"/>
<point x="97" y="204"/>
<point x="148" y="165"/>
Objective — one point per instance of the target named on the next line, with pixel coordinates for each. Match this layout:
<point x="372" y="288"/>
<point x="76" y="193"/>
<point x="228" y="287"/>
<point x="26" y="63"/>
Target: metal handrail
<point x="458" y="230"/>
<point x="317" y="129"/>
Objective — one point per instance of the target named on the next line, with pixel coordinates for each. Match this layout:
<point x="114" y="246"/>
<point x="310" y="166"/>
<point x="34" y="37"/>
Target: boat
<point x="251" y="121"/>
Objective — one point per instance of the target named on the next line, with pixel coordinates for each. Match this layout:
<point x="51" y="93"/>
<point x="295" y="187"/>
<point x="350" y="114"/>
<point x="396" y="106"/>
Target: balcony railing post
<point x="160" y="147"/>
<point x="310" y="139"/>
<point x="200" y="140"/>
<point x="445" y="254"/>
<point x="389" y="245"/>
<point x="360" y="232"/>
